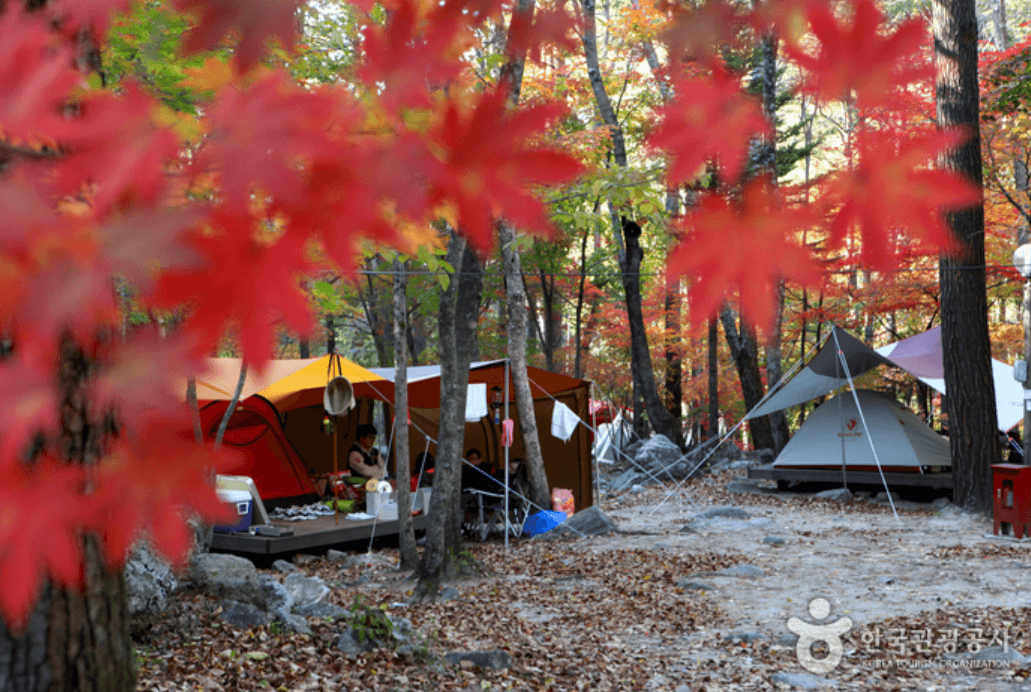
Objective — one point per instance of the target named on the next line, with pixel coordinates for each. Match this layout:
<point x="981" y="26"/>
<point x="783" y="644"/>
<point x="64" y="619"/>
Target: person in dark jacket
<point x="360" y="458"/>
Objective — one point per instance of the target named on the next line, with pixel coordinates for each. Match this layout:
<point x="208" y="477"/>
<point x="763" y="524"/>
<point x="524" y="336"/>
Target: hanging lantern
<point x="497" y="396"/>
<point x="327" y="427"/>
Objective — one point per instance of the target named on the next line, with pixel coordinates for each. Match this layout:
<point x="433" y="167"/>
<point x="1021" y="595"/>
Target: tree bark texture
<point x="660" y="418"/>
<point x="714" y="378"/>
<point x="402" y="463"/>
<point x="231" y="408"/>
<point x="745" y="351"/>
<point x="579" y="320"/>
<point x="672" y="386"/>
<point x="74" y="640"/>
<point x="467" y="321"/>
<point x="540" y="493"/>
<point x="454" y="380"/>
<point x="966" y="348"/>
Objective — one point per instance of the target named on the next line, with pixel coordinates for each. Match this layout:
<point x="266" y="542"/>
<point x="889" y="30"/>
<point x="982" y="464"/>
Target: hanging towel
<point x="507" y="430"/>
<point x="563" y="421"/>
<point x="475" y="402"/>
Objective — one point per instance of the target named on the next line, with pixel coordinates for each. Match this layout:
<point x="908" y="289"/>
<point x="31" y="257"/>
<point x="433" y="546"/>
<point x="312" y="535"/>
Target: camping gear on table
<point x="242" y="508"/>
<point x="1011" y="499"/>
<point x="258" y="514"/>
<point x="381" y="505"/>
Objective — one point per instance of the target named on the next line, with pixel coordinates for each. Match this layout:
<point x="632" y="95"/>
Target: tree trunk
<point x="745" y="351"/>
<point x="578" y="357"/>
<point x="402" y="463"/>
<point x="74" y="640"/>
<point x="774" y="370"/>
<point x="231" y="408"/>
<point x="966" y="350"/>
<point x="454" y="379"/>
<point x="550" y="336"/>
<point x="658" y="416"/>
<point x="540" y="492"/>
<point x="714" y="379"/>
<point x="304" y="347"/>
<point x="467" y="320"/>
<point x="674" y="365"/>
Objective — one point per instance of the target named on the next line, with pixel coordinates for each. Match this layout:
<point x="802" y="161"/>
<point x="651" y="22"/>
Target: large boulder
<point x="656" y="455"/>
<point x="149" y="581"/>
<point x="587" y="522"/>
<point x="305" y="590"/>
<point x="277" y="598"/>
<point x="625" y="480"/>
<point x="230" y="577"/>
<point x="243" y="616"/>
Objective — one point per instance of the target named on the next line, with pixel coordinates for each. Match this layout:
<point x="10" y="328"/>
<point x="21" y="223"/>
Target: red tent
<point x="263" y="451"/>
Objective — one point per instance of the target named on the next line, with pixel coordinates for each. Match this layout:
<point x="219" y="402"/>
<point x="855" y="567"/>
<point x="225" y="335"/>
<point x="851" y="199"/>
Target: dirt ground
<point x="925" y="596"/>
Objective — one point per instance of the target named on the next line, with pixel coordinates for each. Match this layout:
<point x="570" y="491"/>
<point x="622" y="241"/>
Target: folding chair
<point x="485" y="514"/>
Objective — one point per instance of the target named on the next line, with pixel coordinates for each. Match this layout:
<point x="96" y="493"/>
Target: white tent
<point x="835" y="430"/>
<point x="919" y="355"/>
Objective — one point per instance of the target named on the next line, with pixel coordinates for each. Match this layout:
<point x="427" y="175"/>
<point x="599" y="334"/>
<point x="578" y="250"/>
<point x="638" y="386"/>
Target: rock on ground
<point x="743" y="485"/>
<point x="149" y="581"/>
<point x="277" y="598"/>
<point x="741" y="571"/>
<point x="803" y="681"/>
<point x="836" y="494"/>
<point x="725" y="513"/>
<point x="305" y="590"/>
<point x="322" y="609"/>
<point x="495" y="659"/>
<point x="284" y="566"/>
<point x="351" y="647"/>
<point x="694" y="585"/>
<point x="243" y="616"/>
<point x="587" y="522"/>
<point x="657" y="454"/>
<point x="228" y="576"/>
<point x="775" y="541"/>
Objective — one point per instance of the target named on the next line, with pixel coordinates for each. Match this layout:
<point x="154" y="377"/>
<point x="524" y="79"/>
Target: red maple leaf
<point x="858" y="57"/>
<point x="253" y="21"/>
<point x="35" y="78"/>
<point x="745" y="246"/>
<point x="134" y="496"/>
<point x="30" y="403"/>
<point x="261" y="136"/>
<point x="145" y="378"/>
<point x="488" y="165"/>
<point x="116" y="151"/>
<point x="249" y="280"/>
<point x="708" y="119"/>
<point x="404" y="56"/>
<point x="894" y="188"/>
<point x="698" y="33"/>
<point x="42" y="514"/>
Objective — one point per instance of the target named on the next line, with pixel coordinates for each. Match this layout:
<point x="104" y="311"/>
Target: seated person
<point x="424" y="467"/>
<point x="477" y="475"/>
<point x="362" y="459"/>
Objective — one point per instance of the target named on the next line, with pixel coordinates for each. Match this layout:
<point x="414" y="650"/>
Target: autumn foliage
<point x="287" y="177"/>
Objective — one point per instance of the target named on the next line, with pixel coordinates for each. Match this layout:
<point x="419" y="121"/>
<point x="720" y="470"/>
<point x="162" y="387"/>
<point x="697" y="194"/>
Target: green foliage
<point x="370" y="622"/>
<point x="143" y="45"/>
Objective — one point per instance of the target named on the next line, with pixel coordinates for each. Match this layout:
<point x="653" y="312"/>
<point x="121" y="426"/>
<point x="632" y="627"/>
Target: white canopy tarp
<point x="919" y="355"/>
<point x="903" y="442"/>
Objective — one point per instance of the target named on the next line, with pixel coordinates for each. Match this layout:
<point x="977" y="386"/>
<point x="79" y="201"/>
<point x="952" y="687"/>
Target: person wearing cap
<point x="361" y="458"/>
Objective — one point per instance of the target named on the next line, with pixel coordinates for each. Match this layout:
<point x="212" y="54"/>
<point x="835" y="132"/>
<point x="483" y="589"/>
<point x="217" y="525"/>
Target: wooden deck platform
<point x="322" y="532"/>
<point x="919" y="480"/>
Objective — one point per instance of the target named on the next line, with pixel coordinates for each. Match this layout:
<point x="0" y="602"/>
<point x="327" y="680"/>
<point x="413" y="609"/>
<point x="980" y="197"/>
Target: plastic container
<point x="381" y="505"/>
<point x="242" y="506"/>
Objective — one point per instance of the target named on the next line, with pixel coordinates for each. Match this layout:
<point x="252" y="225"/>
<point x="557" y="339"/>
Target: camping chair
<point x="485" y="514"/>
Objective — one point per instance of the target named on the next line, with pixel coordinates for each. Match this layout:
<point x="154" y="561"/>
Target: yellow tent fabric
<point x="288" y="384"/>
<point x="304" y="386"/>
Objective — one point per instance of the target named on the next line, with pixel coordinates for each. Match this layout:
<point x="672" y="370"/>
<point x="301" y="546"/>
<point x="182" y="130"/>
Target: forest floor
<point x="641" y="609"/>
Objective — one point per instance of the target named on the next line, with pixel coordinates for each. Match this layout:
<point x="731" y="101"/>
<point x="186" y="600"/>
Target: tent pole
<point x="507" y="449"/>
<point x="336" y="501"/>
<point x="866" y="429"/>
<point x="841" y="414"/>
